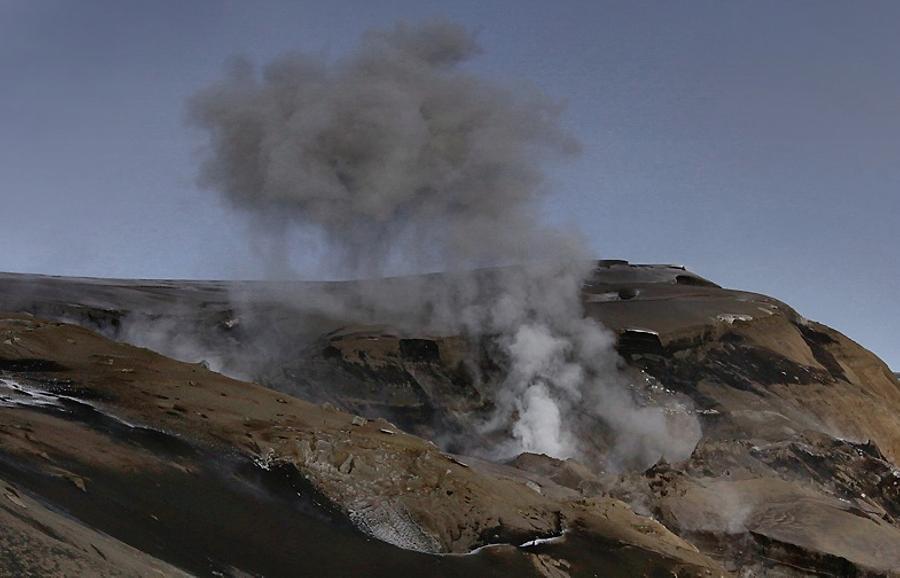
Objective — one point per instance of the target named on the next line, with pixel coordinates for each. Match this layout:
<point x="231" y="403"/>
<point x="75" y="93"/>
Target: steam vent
<point x="174" y="428"/>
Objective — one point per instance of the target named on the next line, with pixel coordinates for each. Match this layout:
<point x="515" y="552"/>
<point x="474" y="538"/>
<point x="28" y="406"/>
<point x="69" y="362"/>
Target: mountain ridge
<point x="798" y="427"/>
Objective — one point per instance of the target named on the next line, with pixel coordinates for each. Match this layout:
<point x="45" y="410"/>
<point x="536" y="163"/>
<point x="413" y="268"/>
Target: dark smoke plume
<point x="393" y="152"/>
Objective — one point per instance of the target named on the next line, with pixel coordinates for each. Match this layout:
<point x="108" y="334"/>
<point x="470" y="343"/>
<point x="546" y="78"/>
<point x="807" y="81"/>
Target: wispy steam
<point x="394" y="155"/>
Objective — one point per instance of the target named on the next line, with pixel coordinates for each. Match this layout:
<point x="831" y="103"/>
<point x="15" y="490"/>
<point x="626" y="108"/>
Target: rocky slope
<point x="795" y="472"/>
<point x="159" y="462"/>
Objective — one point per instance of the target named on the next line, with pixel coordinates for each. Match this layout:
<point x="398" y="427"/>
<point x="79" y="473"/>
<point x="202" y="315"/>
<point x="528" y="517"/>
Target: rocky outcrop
<point x="797" y="470"/>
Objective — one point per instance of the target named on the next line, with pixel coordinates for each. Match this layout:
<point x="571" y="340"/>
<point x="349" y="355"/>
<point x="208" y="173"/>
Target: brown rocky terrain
<point x="149" y="451"/>
<point x="117" y="460"/>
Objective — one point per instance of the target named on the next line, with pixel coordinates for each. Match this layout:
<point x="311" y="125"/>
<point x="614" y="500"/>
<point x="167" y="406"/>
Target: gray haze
<point x="755" y="142"/>
<point x="392" y="152"/>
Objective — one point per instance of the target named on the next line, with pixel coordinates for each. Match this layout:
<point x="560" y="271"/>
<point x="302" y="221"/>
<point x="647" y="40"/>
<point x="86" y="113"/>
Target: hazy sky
<point x="756" y="142"/>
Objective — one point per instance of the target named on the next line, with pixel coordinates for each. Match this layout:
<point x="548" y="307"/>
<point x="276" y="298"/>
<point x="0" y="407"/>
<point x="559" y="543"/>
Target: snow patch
<point x="640" y="330"/>
<point x="730" y="318"/>
<point x="549" y="540"/>
<point x="390" y="521"/>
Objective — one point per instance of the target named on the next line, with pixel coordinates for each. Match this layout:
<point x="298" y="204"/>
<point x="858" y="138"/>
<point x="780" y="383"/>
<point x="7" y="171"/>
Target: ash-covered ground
<point x="283" y="429"/>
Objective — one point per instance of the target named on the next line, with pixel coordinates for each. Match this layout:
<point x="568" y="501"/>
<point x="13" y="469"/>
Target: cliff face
<point x="794" y="473"/>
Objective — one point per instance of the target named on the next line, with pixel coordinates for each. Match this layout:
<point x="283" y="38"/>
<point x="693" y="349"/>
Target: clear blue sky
<point x="756" y="142"/>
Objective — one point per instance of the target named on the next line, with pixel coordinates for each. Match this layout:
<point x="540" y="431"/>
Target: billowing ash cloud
<point x="396" y="154"/>
<point x="393" y="152"/>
